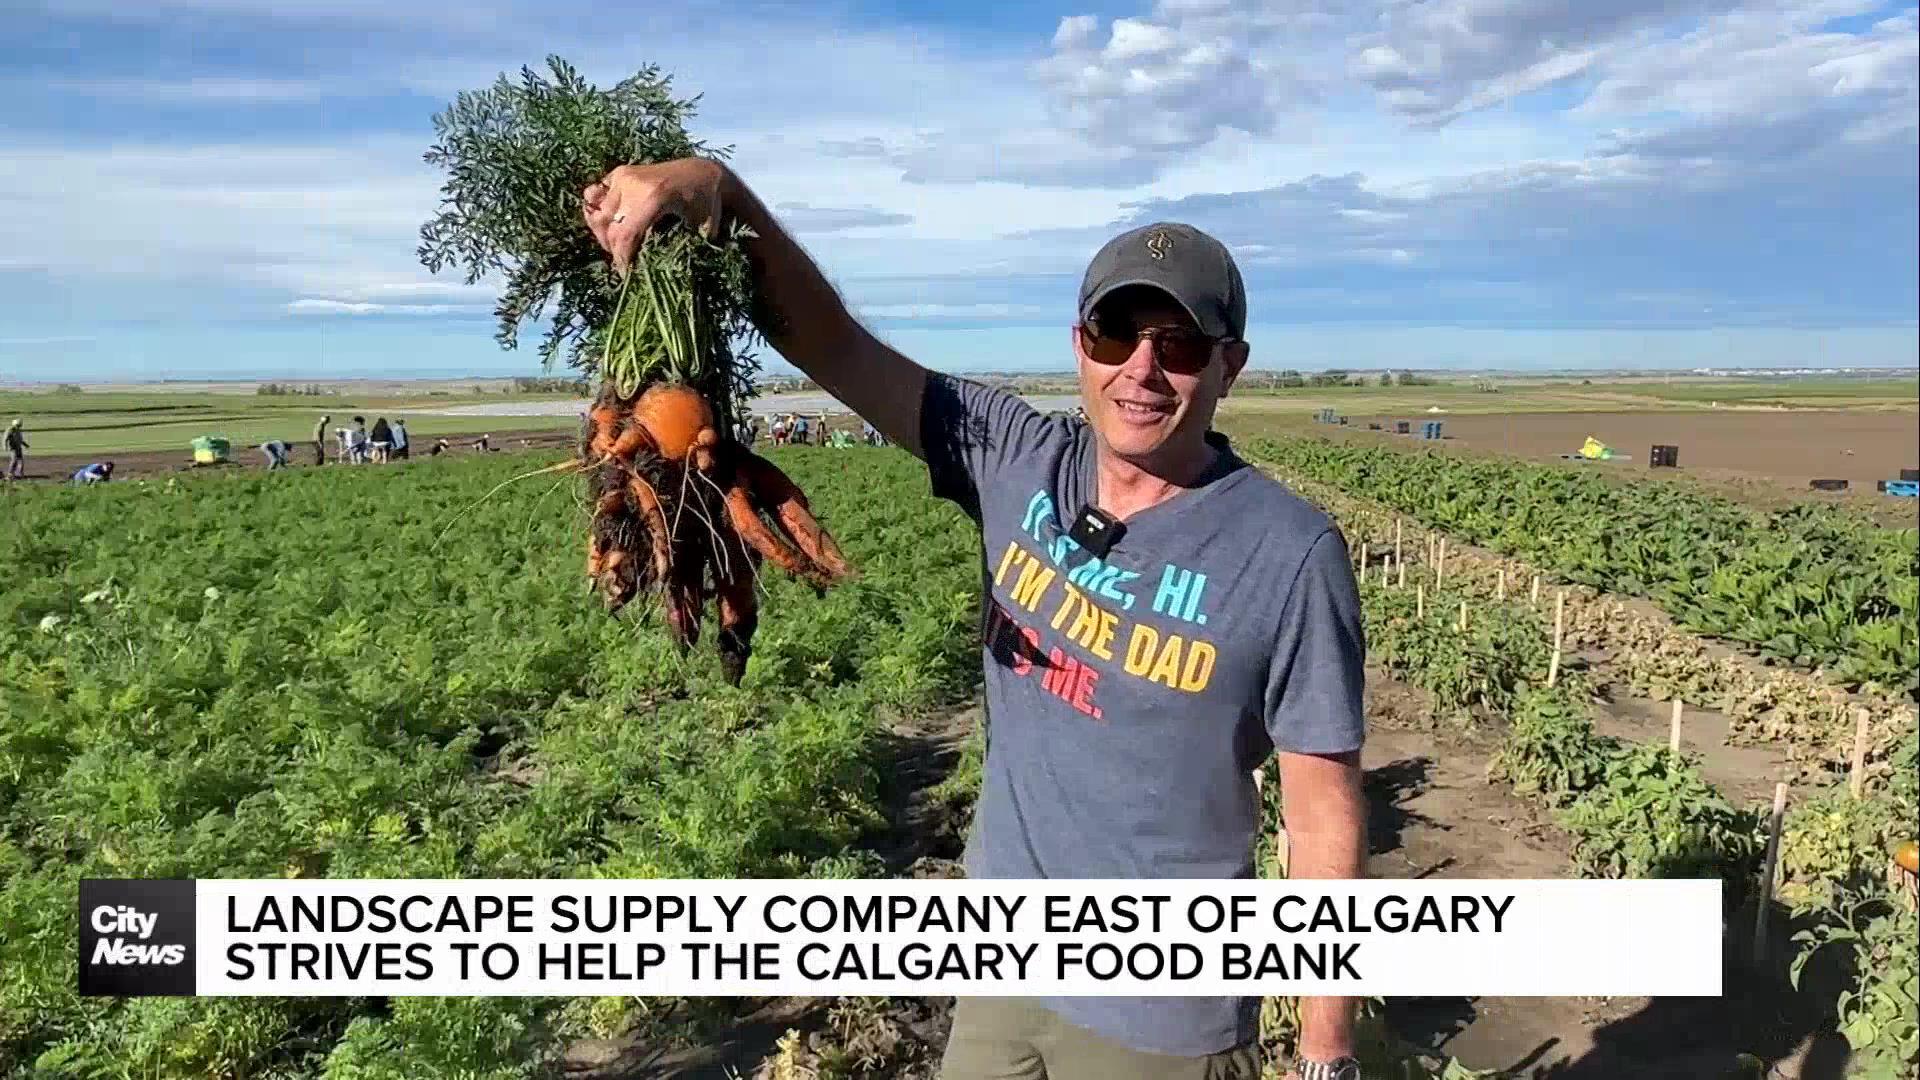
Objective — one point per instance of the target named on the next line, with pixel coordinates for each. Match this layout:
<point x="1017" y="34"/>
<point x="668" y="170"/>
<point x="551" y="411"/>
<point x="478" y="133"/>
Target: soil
<point x="147" y="463"/>
<point x="1761" y="455"/>
<point x="1745" y="774"/>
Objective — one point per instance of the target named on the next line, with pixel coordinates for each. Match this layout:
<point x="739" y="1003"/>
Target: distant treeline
<point x="1258" y="380"/>
<point x="1289" y="379"/>
<point x="576" y="384"/>
<point x="274" y="389"/>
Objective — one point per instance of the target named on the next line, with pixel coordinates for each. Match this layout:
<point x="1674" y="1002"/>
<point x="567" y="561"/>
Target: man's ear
<point x="1234" y="356"/>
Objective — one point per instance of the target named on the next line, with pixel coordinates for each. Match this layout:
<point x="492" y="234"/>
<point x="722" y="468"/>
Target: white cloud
<point x="954" y="311"/>
<point x="1764" y="63"/>
<point x="1170" y="82"/>
<point x="210" y="90"/>
<point x="318" y="306"/>
<point x="806" y="218"/>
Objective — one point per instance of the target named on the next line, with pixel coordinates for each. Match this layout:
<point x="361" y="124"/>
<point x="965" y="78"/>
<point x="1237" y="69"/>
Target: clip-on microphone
<point x="1096" y="530"/>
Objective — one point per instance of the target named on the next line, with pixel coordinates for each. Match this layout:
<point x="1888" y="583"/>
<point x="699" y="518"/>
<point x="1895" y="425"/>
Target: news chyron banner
<point x="870" y="938"/>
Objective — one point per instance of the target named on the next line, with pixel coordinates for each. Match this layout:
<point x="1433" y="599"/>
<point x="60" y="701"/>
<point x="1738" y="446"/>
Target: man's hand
<point x="800" y="313"/>
<point x="629" y="201"/>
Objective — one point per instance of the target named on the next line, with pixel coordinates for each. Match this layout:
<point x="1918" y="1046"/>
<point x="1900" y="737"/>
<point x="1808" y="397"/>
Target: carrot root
<point x="788" y="505"/>
<point x="762" y="538"/>
<point x="655" y="520"/>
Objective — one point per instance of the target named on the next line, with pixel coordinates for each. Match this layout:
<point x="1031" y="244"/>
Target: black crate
<point x="1910" y="474"/>
<point x="1402" y="427"/>
<point x="1665" y="457"/>
<point x="1828" y="485"/>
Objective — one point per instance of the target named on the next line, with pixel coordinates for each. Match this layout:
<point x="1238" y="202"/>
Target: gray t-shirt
<point x="1130" y="697"/>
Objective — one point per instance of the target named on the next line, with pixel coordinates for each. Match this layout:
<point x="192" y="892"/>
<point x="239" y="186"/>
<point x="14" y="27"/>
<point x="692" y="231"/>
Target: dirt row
<point x="1765" y="457"/>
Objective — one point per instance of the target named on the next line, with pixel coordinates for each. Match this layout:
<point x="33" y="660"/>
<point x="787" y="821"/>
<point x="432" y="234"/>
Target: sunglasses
<point x="1178" y="352"/>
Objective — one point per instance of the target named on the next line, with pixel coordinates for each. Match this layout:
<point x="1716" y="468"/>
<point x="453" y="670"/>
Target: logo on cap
<point x="1159" y="243"/>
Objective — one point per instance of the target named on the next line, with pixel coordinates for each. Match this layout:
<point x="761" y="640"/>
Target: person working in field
<point x="400" y="441"/>
<point x="381" y="441"/>
<point x="276" y="453"/>
<point x="16" y="450"/>
<point x="1214" y="618"/>
<point x="97" y="473"/>
<point x="320" y="440"/>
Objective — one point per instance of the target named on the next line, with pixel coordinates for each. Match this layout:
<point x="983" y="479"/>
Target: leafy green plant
<point x="1880" y="1015"/>
<point x="1808" y="585"/>
<point x="518" y="157"/>
<point x="1834" y="845"/>
<point x="1654" y="817"/>
<point x="1551" y="751"/>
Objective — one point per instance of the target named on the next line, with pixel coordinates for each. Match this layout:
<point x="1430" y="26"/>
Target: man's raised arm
<point x="806" y="319"/>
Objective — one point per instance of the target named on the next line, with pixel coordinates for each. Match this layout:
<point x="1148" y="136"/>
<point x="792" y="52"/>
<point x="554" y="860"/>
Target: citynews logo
<point x="118" y="950"/>
<point x="136" y="938"/>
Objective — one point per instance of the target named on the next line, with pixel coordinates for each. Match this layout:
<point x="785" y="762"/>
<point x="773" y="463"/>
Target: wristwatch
<point x="1346" y="1068"/>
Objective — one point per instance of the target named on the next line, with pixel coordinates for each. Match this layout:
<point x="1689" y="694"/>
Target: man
<point x="16" y="450"/>
<point x="320" y="440"/>
<point x="1215" y="618"/>
<point x="275" y="452"/>
<point x="97" y="473"/>
<point x="400" y="443"/>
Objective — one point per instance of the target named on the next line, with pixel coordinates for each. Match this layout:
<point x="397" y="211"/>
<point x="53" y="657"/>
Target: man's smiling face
<point x="1144" y="412"/>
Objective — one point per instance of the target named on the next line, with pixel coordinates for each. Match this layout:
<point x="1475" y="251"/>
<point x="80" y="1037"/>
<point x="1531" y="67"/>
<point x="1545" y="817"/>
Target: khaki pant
<point x="1019" y="1039"/>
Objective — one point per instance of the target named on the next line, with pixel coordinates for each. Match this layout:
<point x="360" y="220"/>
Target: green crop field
<point x="387" y="673"/>
<point x="395" y="672"/>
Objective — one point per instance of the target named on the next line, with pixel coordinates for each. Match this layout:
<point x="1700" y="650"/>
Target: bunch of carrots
<point x="681" y="510"/>
<point x="682" y="513"/>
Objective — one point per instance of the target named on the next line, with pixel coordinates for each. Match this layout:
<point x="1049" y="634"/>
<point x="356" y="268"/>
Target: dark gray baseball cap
<point x="1179" y="260"/>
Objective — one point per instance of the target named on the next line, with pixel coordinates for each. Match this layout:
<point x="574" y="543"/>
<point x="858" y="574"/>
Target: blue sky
<point x="223" y="187"/>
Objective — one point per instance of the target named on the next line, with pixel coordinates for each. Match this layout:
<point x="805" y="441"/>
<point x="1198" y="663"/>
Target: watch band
<point x="1346" y="1068"/>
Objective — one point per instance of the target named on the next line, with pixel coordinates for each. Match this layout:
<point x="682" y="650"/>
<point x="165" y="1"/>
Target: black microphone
<point x="1096" y="530"/>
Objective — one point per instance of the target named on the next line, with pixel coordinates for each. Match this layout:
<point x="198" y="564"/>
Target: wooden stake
<point x="1500" y="592"/>
<point x="1858" y="781"/>
<point x="1463" y="616"/>
<point x="1440" y="565"/>
<point x="1396" y="539"/>
<point x="1534" y="598"/>
<point x="1673" y="737"/>
<point x="1420" y="600"/>
<point x="1559" y="635"/>
<point x="1282" y="850"/>
<point x="1366" y="551"/>
<point x="1766" y="881"/>
<point x="1402" y="573"/>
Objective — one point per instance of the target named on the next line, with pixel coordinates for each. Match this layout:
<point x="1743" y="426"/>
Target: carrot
<point x="609" y="504"/>
<point x="758" y="535"/>
<point x="632" y="441"/>
<point x="739" y="618"/>
<point x="656" y="525"/>
<point x="788" y="504"/>
<point x="676" y="417"/>
<point x="602" y="421"/>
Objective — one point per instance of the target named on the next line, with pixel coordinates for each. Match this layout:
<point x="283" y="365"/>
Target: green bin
<point x="210" y="450"/>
